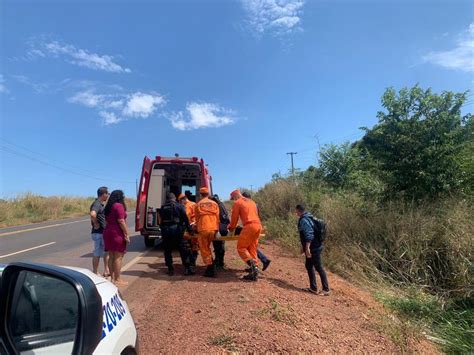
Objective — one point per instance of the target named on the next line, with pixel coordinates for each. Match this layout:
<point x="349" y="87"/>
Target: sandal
<point x="307" y="289"/>
<point x="120" y="283"/>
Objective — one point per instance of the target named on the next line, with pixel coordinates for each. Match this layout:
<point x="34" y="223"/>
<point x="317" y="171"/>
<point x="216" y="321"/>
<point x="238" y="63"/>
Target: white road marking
<point x="43" y="227"/>
<point x="135" y="259"/>
<point x="25" y="250"/>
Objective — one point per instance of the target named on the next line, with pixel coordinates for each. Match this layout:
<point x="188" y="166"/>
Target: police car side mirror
<point x="48" y="309"/>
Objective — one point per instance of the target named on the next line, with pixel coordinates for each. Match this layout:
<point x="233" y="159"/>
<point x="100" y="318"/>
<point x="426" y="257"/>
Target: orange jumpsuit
<point x="247" y="243"/>
<point x="190" y="206"/>
<point x="207" y="221"/>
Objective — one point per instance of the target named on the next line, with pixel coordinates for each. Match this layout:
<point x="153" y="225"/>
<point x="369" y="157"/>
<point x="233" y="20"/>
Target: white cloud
<point x="3" y="88"/>
<point x="274" y="16"/>
<point x="202" y="115"/>
<point x="117" y="107"/>
<point x="77" y="56"/>
<point x="142" y="105"/>
<point x="109" y="117"/>
<point x="38" y="87"/>
<point x="87" y="98"/>
<point x="460" y="57"/>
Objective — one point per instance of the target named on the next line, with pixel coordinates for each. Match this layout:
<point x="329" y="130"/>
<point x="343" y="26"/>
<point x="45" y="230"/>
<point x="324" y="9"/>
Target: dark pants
<point x="261" y="256"/>
<point x="315" y="262"/>
<point x="219" y="251"/>
<point x="173" y="238"/>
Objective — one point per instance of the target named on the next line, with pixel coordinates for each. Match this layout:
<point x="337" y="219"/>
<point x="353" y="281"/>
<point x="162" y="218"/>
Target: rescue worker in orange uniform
<point x="190" y="206"/>
<point x="207" y="223"/>
<point x="245" y="209"/>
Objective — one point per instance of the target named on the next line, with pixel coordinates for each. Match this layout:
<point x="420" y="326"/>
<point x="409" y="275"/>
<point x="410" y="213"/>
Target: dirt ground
<point x="194" y="314"/>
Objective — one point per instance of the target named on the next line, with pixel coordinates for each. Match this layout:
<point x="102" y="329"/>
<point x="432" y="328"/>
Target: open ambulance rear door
<point x="142" y="195"/>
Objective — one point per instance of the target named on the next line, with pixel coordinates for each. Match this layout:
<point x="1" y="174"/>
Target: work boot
<point x="188" y="271"/>
<point x="266" y="264"/>
<point x="210" y="271"/>
<point x="253" y="273"/>
<point x="219" y="265"/>
<point x="170" y="271"/>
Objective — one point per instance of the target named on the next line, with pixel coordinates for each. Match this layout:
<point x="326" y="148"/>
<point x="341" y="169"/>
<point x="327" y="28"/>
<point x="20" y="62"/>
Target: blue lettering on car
<point x="114" y="312"/>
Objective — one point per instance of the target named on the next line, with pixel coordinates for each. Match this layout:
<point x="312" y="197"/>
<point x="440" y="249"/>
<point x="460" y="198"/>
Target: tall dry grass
<point x="429" y="245"/>
<point x="31" y="208"/>
<point x="393" y="248"/>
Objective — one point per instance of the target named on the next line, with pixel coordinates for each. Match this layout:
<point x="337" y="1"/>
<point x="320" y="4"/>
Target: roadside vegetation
<point x="31" y="208"/>
<point x="400" y="211"/>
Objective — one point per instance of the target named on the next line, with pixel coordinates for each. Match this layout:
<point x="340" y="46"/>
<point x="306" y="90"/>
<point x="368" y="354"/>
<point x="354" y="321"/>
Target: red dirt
<point x="199" y="315"/>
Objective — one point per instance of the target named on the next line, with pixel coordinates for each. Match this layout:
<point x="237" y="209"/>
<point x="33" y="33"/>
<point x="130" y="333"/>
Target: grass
<point x="426" y="247"/>
<point x="279" y="313"/>
<point x="225" y="341"/>
<point x="451" y="324"/>
<point x="31" y="208"/>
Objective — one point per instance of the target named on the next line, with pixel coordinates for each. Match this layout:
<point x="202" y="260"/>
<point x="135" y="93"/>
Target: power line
<point x="62" y="163"/>
<point x="23" y="155"/>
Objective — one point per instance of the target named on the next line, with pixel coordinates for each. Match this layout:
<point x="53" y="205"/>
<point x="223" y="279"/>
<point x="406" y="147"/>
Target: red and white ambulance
<point x="161" y="176"/>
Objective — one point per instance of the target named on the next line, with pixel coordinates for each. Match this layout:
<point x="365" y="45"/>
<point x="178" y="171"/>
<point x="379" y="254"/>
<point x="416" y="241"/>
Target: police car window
<point x="45" y="312"/>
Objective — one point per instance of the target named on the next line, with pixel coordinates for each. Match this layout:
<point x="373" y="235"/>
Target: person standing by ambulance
<point x="192" y="243"/>
<point x="207" y="224"/>
<point x="245" y="209"/>
<point x="97" y="234"/>
<point x="173" y="222"/>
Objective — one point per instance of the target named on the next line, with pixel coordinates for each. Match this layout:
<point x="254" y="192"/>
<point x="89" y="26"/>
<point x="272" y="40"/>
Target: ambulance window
<point x="44" y="313"/>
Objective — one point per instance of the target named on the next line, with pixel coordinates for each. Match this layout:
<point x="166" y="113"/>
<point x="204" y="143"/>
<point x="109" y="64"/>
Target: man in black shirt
<point x="173" y="222"/>
<point x="98" y="225"/>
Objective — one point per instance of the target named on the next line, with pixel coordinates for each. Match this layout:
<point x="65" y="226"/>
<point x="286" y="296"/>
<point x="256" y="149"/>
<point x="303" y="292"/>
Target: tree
<point x="419" y="142"/>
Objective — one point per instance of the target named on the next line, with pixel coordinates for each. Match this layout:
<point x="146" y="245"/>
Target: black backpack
<point x="168" y="213"/>
<point x="223" y="214"/>
<point x="319" y="229"/>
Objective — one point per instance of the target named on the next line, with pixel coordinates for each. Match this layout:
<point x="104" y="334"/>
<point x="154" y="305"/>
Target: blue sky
<point x="88" y="88"/>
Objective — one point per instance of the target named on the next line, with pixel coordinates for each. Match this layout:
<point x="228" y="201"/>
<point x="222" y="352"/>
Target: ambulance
<point x="160" y="176"/>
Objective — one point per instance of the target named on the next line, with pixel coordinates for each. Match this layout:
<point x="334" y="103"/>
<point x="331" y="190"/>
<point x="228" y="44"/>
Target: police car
<point x="47" y="309"/>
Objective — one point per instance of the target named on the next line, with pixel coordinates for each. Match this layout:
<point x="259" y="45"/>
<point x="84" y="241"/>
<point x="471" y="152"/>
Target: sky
<point x="88" y="88"/>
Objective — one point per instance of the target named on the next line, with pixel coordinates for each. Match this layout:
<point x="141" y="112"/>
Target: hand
<point x="307" y="253"/>
<point x="96" y="225"/>
<point x="127" y="239"/>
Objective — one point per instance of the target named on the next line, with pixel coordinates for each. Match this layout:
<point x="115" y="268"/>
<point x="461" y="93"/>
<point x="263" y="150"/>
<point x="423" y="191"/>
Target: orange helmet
<point x="235" y="193"/>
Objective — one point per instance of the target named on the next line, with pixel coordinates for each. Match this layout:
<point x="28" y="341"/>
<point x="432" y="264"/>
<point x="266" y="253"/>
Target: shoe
<point x="253" y="273"/>
<point x="170" y="271"/>
<point x="210" y="271"/>
<point x="189" y="271"/>
<point x="221" y="267"/>
<point x="266" y="265"/>
<point x="325" y="293"/>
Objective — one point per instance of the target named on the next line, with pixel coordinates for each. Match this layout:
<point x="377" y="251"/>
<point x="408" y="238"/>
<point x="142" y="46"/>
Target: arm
<point x="217" y="214"/>
<point x="184" y="217"/>
<point x="123" y="227"/>
<point x="93" y="215"/>
<point x="121" y="221"/>
<point x="235" y="216"/>
<point x="308" y="233"/>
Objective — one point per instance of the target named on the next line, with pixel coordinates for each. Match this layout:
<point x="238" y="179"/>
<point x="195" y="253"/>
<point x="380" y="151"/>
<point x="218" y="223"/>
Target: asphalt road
<point x="65" y="242"/>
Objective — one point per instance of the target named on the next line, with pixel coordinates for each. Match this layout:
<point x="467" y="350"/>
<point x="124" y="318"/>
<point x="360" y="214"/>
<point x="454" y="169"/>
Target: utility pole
<point x="251" y="188"/>
<point x="292" y="165"/>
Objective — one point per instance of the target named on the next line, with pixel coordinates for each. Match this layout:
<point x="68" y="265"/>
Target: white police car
<point x="47" y="309"/>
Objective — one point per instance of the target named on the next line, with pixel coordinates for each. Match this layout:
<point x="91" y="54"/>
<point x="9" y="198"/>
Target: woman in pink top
<point x="116" y="233"/>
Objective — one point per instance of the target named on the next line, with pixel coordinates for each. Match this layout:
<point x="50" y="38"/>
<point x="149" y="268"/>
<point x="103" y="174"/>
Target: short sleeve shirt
<point x="98" y="207"/>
